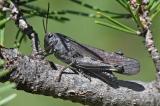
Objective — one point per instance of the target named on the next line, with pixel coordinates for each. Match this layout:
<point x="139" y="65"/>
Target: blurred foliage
<point x="76" y="19"/>
<point x="5" y="96"/>
<point x="4" y="88"/>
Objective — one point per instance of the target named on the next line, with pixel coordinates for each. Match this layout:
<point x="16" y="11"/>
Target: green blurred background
<point x="84" y="30"/>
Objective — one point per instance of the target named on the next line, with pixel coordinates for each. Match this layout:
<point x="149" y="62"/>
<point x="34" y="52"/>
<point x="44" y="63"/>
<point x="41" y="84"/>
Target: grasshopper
<point x="89" y="60"/>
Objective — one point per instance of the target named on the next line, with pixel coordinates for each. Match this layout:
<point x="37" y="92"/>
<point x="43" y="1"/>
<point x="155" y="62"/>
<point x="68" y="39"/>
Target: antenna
<point x="46" y="24"/>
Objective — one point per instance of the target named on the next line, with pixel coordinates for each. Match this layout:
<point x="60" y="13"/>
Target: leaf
<point x="7" y="99"/>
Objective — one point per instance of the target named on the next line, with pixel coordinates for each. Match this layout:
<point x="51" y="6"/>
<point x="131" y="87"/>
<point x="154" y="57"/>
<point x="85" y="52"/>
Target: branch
<point x="39" y="76"/>
<point x="22" y="24"/>
<point x="146" y="32"/>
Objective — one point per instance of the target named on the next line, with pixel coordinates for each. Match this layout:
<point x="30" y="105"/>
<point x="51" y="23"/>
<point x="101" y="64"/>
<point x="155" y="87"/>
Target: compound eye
<point x="50" y="35"/>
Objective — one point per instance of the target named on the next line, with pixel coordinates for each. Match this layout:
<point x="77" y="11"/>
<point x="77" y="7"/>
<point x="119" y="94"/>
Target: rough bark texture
<point x="39" y="76"/>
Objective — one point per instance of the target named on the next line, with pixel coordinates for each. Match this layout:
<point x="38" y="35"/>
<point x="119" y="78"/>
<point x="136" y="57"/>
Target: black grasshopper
<point x="89" y="60"/>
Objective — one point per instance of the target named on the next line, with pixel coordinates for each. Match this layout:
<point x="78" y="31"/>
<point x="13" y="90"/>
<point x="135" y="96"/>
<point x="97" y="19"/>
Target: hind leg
<point x="62" y="70"/>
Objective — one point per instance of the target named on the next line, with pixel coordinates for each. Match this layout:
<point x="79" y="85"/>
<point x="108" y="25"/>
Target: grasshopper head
<point x="50" y="42"/>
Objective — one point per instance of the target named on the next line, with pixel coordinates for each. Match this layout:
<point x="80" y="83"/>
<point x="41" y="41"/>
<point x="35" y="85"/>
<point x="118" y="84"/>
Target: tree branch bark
<point x="39" y="76"/>
<point x="22" y="24"/>
<point x="147" y="34"/>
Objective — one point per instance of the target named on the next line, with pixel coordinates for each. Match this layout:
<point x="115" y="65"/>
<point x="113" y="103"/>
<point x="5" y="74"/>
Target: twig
<point x="146" y="32"/>
<point x="22" y="24"/>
